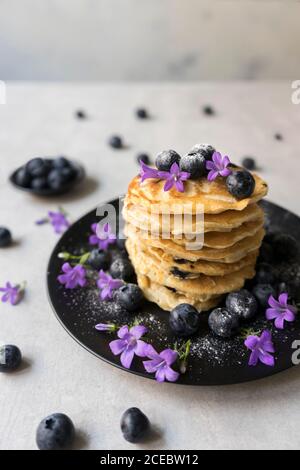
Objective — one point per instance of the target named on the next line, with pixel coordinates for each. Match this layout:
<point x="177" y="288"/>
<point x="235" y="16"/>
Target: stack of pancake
<point x="169" y="269"/>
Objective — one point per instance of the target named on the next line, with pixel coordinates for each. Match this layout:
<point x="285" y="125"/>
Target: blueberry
<point x="80" y="114"/>
<point x="121" y="268"/>
<point x="141" y="113"/>
<point x="278" y="136"/>
<point x="99" y="259"/>
<point x="262" y="293"/>
<point x="37" y="167"/>
<point x="223" y="323"/>
<point x="68" y="173"/>
<point x="143" y="157"/>
<point x="184" y="320"/>
<point x="195" y="164"/>
<point x="206" y="150"/>
<point x="61" y="162"/>
<point x="266" y="253"/>
<point x="130" y="297"/>
<point x="249" y="163"/>
<point x="165" y="159"/>
<point x="134" y="425"/>
<point x="5" y="237"/>
<point x="240" y="184"/>
<point x="55" y="432"/>
<point x="23" y="178"/>
<point x="10" y="358"/>
<point x="208" y="110"/>
<point x="242" y="303"/>
<point x="56" y="179"/>
<point x="285" y="247"/>
<point x="265" y="274"/>
<point x="39" y="183"/>
<point x="116" y="142"/>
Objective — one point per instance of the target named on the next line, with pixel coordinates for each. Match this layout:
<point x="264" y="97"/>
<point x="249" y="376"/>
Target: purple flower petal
<point x="261" y="347"/>
<point x="218" y="166"/>
<point x="138" y="331"/>
<point x="141" y="348"/>
<point x="253" y="360"/>
<point x="160" y="375"/>
<point x="266" y="359"/>
<point x="169" y="355"/>
<point x="179" y="186"/>
<point x="127" y="358"/>
<point x="279" y="322"/>
<point x="117" y="346"/>
<point x="168" y="185"/>
<point x="123" y="331"/>
<point x="171" y="375"/>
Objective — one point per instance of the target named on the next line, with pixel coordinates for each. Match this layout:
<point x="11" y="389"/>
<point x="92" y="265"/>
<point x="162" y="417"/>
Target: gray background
<point x="149" y="39"/>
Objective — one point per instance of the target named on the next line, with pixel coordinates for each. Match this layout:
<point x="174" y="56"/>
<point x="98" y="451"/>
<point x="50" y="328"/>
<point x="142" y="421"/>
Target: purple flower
<point x="72" y="277"/>
<point x="107" y="285"/>
<point x="12" y="294"/>
<point x="148" y="172"/>
<point x="58" y="221"/>
<point x="129" y="344"/>
<point x="160" y="364"/>
<point x="102" y="237"/>
<point x="218" y="166"/>
<point x="105" y="327"/>
<point x="261" y="347"/>
<point x="174" y="177"/>
<point x="280" y="310"/>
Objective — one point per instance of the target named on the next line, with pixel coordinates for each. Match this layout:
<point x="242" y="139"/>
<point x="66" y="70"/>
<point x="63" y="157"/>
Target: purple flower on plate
<point x="218" y="166"/>
<point x="107" y="285"/>
<point x="129" y="344"/>
<point x="110" y="327"/>
<point x="280" y="310"/>
<point x="59" y="221"/>
<point x="160" y="363"/>
<point x="103" y="237"/>
<point x="174" y="177"/>
<point x="261" y="347"/>
<point x="147" y="172"/>
<point x="72" y="277"/>
<point x="12" y="294"/>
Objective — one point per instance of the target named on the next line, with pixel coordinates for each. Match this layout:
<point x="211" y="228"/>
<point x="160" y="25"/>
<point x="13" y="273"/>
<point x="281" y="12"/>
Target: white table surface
<point x="58" y="374"/>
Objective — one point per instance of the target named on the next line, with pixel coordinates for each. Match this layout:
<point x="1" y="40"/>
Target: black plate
<point x="213" y="361"/>
<point x="80" y="174"/>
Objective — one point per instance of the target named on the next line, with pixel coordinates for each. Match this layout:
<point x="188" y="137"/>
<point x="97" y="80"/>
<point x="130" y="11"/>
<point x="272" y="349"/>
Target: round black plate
<point x="80" y="174"/>
<point x="212" y="361"/>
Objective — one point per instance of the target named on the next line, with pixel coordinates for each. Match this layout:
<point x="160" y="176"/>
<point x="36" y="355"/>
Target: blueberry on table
<point x="208" y="110"/>
<point x="285" y="247"/>
<point x="265" y="274"/>
<point x="134" y="425"/>
<point x="223" y="323"/>
<point x="262" y="293"/>
<point x="240" y="184"/>
<point x="143" y="157"/>
<point x="37" y="167"/>
<point x="141" y="113"/>
<point x="10" y="358"/>
<point x="80" y="114"/>
<point x="23" y="178"/>
<point x="165" y="159"/>
<point x="121" y="268"/>
<point x="195" y="164"/>
<point x="116" y="142"/>
<point x="57" y="178"/>
<point x="184" y="320"/>
<point x="242" y="303"/>
<point x="249" y="163"/>
<point x="130" y="297"/>
<point x="56" y="432"/>
<point x="5" y="237"/>
<point x="278" y="136"/>
<point x="39" y="183"/>
<point x="99" y="259"/>
<point x="61" y="162"/>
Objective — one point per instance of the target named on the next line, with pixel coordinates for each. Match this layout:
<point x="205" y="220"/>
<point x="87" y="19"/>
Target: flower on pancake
<point x="261" y="348"/>
<point x="147" y="172"/>
<point x="280" y="310"/>
<point x="218" y="166"/>
<point x="174" y="177"/>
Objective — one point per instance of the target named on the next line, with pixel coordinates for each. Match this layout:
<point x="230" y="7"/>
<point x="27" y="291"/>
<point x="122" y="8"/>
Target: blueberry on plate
<point x="39" y="183"/>
<point x="249" y="163"/>
<point x="242" y="303"/>
<point x="206" y="150"/>
<point x="165" y="159"/>
<point x="265" y="274"/>
<point x="184" y="320"/>
<point x="195" y="164"/>
<point x="266" y="253"/>
<point x="134" y="425"/>
<point x="262" y="293"/>
<point x="10" y="358"/>
<point x="121" y="268"/>
<point x="285" y="247"/>
<point x="141" y="113"/>
<point x="5" y="237"/>
<point x="223" y="323"/>
<point x="143" y="157"/>
<point x="116" y="142"/>
<point x="130" y="297"/>
<point x="56" y="432"/>
<point x="99" y="259"/>
<point x="240" y="184"/>
<point x="23" y="178"/>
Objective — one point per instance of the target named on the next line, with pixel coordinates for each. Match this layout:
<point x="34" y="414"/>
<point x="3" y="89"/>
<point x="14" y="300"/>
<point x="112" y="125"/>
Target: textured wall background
<point x="149" y="39"/>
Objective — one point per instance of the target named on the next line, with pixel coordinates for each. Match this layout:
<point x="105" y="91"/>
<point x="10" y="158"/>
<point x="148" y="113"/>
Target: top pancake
<point x="198" y="196"/>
